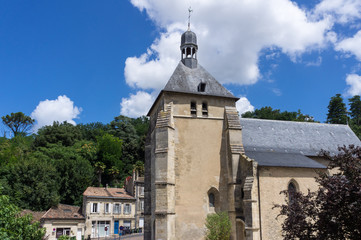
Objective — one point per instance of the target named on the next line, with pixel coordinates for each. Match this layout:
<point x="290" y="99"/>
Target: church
<point x="202" y="158"/>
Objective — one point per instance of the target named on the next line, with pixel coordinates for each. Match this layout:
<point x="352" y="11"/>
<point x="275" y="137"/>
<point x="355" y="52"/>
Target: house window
<point x="103" y="228"/>
<point x="127" y="224"/>
<point x="141" y="205"/>
<point x="141" y="191"/>
<point x="94" y="208"/>
<point x="204" y="109"/>
<point x="62" y="231"/>
<point x="127" y="208"/>
<point x="116" y="208"/>
<point x="194" y="109"/>
<point x="202" y="87"/>
<point x="107" y="207"/>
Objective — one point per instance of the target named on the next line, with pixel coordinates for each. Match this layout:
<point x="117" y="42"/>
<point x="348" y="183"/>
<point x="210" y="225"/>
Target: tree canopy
<point x="337" y="112"/>
<point x="276" y="114"/>
<point x="61" y="160"/>
<point x="13" y="226"/>
<point x="331" y="212"/>
<point x="18" y="123"/>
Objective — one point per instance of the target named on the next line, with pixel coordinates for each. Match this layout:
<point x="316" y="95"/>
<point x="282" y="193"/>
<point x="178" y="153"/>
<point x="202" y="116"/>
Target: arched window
<point x="211" y="200"/>
<point x="189" y="53"/>
<point x="292" y="189"/>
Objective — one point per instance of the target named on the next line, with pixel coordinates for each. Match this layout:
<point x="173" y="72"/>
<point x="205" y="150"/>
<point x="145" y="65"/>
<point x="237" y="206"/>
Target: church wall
<point x="272" y="181"/>
<point x="197" y="167"/>
<point x="198" y="156"/>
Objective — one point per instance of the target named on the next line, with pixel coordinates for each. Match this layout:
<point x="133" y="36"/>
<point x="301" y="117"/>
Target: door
<point x="78" y="234"/>
<point x="141" y="222"/>
<point x="116" y="227"/>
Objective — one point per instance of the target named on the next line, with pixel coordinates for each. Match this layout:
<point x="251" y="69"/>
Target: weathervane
<point x="189" y="18"/>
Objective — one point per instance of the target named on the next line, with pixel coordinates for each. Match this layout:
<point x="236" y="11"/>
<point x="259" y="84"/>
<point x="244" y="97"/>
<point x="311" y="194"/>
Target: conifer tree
<point x="355" y="109"/>
<point x="337" y="112"/>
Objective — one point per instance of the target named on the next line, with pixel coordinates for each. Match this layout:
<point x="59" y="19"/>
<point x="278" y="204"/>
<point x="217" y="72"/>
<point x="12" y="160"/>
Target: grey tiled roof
<point x="295" y="137"/>
<point x="276" y="159"/>
<point x="186" y="80"/>
<point x="285" y="143"/>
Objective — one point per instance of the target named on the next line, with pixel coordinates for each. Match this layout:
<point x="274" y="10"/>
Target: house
<point x="63" y="220"/>
<point x="106" y="210"/>
<point x="134" y="185"/>
<point x="201" y="158"/>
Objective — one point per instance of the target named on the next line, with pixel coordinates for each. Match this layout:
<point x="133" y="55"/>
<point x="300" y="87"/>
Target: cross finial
<point x="189" y="18"/>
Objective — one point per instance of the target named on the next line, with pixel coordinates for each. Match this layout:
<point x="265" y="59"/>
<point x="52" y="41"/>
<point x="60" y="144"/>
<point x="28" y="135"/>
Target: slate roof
<point x="63" y="211"/>
<point x="107" y="193"/>
<point x="285" y="143"/>
<point x="276" y="159"/>
<point x="186" y="80"/>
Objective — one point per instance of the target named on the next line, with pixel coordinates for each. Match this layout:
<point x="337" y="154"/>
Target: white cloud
<point x="243" y="105"/>
<point x="61" y="109"/>
<point x="231" y="35"/>
<point x="277" y="91"/>
<point x="351" y="45"/>
<point x="343" y="11"/>
<point x="315" y="63"/>
<point x="147" y="73"/>
<point x="354" y="81"/>
<point x="136" y="105"/>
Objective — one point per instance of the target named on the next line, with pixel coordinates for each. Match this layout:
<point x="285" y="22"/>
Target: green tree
<point x="13" y="226"/>
<point x="14" y="149"/>
<point x="122" y="127"/>
<point x="64" y="133"/>
<point x="91" y="131"/>
<point x="355" y="109"/>
<point x="18" y="123"/>
<point x="74" y="173"/>
<point x="337" y="112"/>
<point x="99" y="170"/>
<point x="276" y="114"/>
<point x="218" y="226"/>
<point x="31" y="184"/>
<point x="331" y="212"/>
<point x="114" y="174"/>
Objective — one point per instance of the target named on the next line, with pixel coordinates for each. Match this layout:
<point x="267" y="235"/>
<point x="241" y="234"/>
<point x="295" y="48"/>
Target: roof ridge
<point x="46" y="212"/>
<point x="275" y="120"/>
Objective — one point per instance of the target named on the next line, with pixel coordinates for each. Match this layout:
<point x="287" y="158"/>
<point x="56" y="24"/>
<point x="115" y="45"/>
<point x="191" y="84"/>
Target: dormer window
<point x="204" y="109"/>
<point x="193" y="109"/>
<point x="202" y="87"/>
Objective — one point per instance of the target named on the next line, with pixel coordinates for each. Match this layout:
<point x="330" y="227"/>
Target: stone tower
<point x="192" y="152"/>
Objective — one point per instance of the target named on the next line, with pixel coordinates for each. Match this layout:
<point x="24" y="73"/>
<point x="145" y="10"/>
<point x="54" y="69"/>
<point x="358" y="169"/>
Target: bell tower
<point x="191" y="152"/>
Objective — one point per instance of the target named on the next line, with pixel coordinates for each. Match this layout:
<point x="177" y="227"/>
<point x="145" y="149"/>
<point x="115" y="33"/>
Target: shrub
<point x="218" y="226"/>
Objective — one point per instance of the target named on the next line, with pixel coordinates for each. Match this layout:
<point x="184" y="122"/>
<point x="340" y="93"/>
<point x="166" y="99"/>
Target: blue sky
<point x="89" y="61"/>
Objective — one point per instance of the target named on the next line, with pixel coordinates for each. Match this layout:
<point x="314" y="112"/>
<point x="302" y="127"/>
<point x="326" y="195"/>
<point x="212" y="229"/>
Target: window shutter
<point x="110" y="207"/>
<point x="130" y="208"/>
<point x="91" y="207"/>
<point x="98" y="207"/>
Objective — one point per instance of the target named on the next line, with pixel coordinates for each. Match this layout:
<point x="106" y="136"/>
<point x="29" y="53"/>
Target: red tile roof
<point x="107" y="192"/>
<point x="36" y="215"/>
<point x="63" y="211"/>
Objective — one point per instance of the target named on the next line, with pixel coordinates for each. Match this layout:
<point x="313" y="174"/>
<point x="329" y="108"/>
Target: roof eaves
<point x="112" y="197"/>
